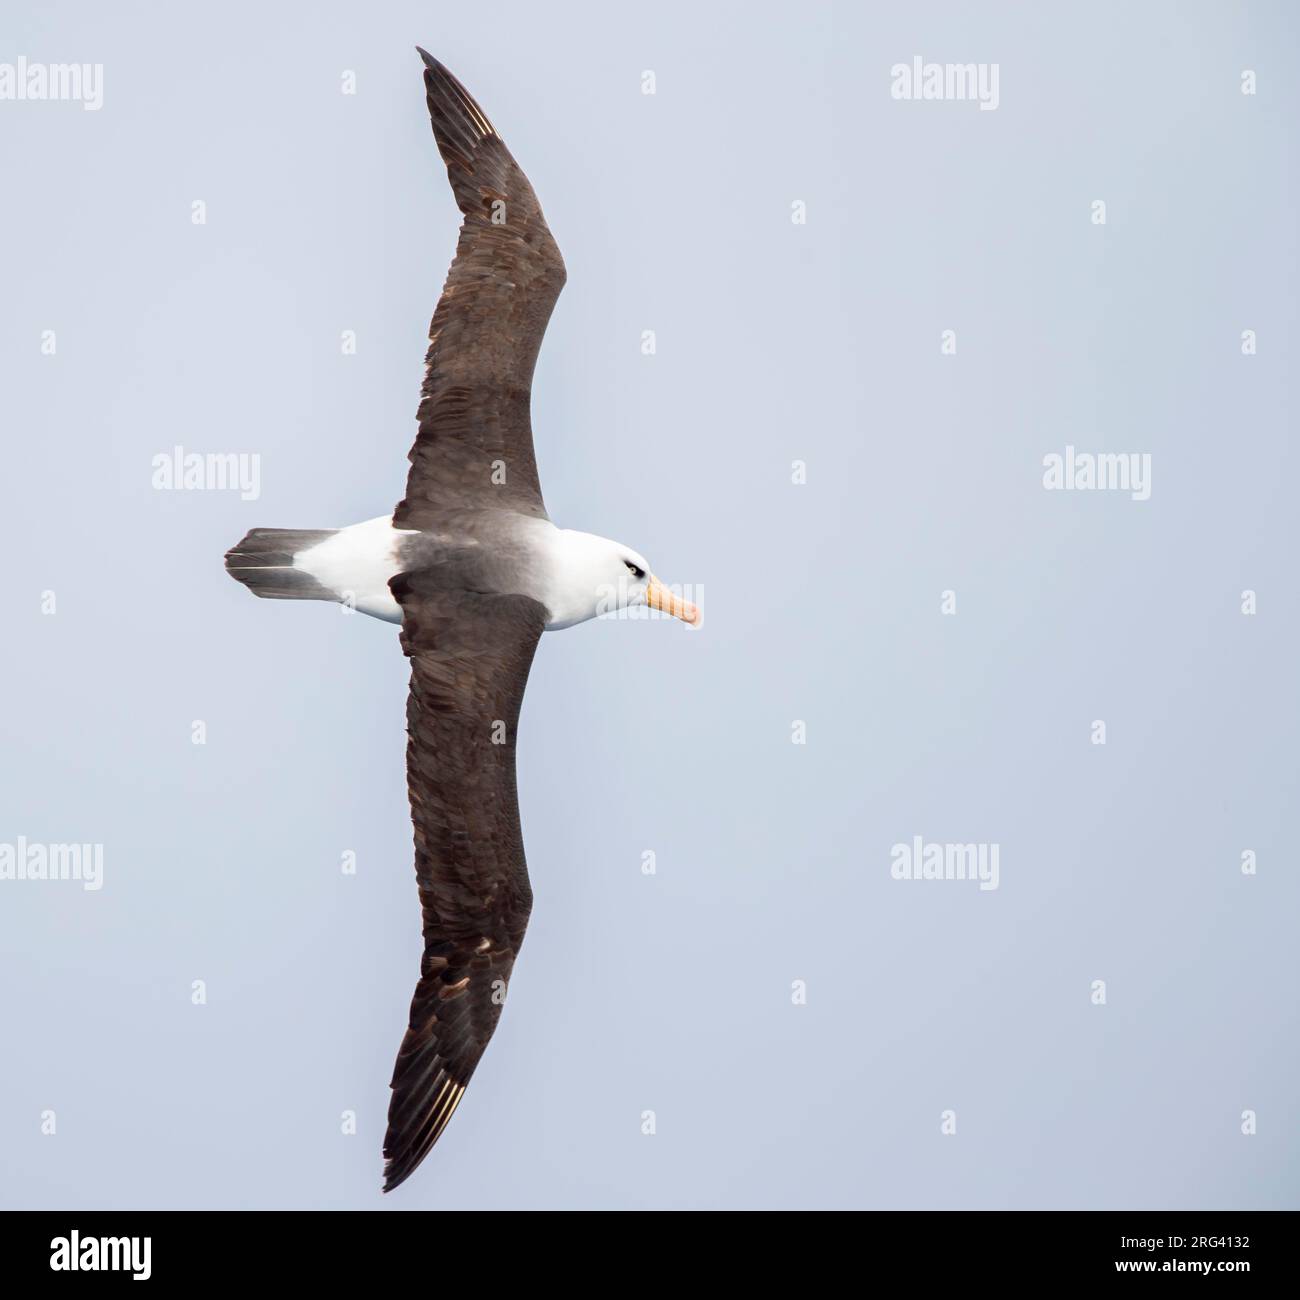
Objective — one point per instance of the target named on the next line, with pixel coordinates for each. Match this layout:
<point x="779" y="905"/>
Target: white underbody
<point x="356" y="564"/>
<point x="570" y="577"/>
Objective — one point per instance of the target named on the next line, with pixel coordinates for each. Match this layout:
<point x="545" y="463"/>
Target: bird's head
<point x="599" y="576"/>
<point x="637" y="585"/>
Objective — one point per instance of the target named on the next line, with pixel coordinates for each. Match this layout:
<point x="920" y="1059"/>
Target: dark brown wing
<point x="470" y="655"/>
<point x="475" y="443"/>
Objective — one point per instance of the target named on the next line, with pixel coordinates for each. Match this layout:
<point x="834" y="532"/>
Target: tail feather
<point x="263" y="562"/>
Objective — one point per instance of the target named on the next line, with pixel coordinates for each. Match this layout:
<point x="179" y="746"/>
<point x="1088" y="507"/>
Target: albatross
<point x="474" y="571"/>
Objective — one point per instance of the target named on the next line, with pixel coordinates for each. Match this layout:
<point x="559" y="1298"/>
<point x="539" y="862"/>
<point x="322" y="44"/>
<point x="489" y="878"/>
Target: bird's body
<point x="499" y="551"/>
<point x="473" y="570"/>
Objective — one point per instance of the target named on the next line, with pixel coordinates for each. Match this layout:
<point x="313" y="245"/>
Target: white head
<point x="592" y="575"/>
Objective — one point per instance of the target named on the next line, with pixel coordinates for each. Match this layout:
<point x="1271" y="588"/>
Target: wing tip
<point x="451" y="106"/>
<point x="404" y="1152"/>
<point x="398" y="1166"/>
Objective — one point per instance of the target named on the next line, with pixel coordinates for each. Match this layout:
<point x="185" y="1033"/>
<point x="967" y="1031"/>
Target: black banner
<point x="93" y="1248"/>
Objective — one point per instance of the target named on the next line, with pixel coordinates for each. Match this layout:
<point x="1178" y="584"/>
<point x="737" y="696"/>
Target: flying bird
<point x="472" y="568"/>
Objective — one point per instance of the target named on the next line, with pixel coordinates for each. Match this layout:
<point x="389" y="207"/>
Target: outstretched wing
<point x="475" y="442"/>
<point x="470" y="655"/>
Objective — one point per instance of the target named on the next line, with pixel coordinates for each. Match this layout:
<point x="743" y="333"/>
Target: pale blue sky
<point x="775" y="342"/>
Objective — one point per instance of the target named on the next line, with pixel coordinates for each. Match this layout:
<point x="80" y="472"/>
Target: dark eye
<point x="636" y="572"/>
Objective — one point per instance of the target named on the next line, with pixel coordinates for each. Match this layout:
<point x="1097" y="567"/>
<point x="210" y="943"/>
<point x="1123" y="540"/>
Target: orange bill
<point x="659" y="597"/>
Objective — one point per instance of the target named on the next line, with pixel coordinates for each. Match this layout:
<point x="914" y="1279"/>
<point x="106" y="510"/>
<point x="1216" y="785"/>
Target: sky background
<point x="775" y="342"/>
